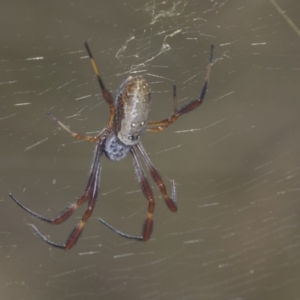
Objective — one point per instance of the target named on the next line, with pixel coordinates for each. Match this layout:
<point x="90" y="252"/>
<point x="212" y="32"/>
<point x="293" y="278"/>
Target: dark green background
<point x="235" y="160"/>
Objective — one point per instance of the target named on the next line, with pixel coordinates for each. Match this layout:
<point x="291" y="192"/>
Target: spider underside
<point x="127" y="123"/>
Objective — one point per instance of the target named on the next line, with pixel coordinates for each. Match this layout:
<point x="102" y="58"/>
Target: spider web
<point x="235" y="160"/>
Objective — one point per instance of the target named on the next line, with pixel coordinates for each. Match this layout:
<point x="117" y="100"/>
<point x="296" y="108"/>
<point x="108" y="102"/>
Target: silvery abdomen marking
<point x="132" y="110"/>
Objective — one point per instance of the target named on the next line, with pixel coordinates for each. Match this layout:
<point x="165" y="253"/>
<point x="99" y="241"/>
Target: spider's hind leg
<point x="105" y="93"/>
<point x="157" y="126"/>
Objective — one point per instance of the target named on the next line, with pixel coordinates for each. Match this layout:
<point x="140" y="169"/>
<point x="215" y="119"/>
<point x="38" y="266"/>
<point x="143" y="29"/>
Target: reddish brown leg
<point x="156" y="126"/>
<point x="90" y="195"/>
<point x="147" y="191"/>
<point x="106" y="95"/>
<point x="77" y="135"/>
<point x="171" y="202"/>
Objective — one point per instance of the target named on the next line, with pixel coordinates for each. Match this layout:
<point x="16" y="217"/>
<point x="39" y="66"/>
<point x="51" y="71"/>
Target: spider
<point x="127" y="123"/>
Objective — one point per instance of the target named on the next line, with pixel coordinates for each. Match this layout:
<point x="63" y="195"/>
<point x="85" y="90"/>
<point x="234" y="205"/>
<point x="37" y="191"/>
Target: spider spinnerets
<point x="128" y="121"/>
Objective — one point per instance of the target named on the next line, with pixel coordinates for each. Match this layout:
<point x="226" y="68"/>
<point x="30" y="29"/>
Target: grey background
<point x="235" y="160"/>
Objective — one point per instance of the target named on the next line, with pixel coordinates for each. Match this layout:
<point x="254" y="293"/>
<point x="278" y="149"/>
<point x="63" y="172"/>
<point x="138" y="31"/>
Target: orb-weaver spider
<point x="127" y="123"/>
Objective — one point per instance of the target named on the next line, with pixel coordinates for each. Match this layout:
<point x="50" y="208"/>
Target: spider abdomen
<point x="114" y="149"/>
<point x="132" y="110"/>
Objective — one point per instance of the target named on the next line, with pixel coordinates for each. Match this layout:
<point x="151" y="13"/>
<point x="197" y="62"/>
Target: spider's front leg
<point x="156" y="126"/>
<point x="90" y="195"/>
<point x="170" y="201"/>
<point x="147" y="191"/>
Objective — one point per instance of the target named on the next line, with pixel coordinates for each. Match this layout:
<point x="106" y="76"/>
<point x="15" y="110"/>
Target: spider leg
<point x="74" y="134"/>
<point x="75" y="234"/>
<point x="65" y="214"/>
<point x="156" y="126"/>
<point x="90" y="195"/>
<point x="171" y="202"/>
<point x="125" y="235"/>
<point x="106" y="95"/>
<point x="147" y="191"/>
<point x="61" y="217"/>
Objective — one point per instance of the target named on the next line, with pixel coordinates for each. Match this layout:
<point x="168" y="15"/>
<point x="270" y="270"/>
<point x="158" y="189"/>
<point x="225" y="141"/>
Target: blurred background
<point x="235" y="160"/>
